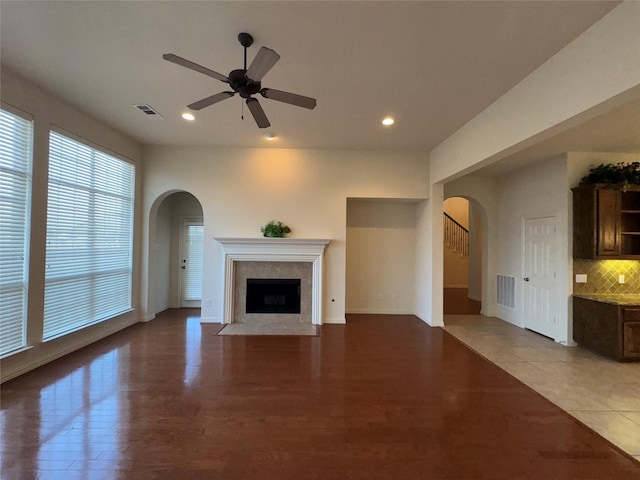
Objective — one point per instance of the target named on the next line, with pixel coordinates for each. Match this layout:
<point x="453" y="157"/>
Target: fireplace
<point x="283" y="258"/>
<point x="273" y="295"/>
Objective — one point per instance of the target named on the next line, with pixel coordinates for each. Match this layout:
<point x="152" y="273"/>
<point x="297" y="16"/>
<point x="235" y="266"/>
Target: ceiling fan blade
<point x="291" y="98"/>
<point x="170" y="57"/>
<point x="264" y="61"/>
<point x="258" y="113"/>
<point x="205" y="102"/>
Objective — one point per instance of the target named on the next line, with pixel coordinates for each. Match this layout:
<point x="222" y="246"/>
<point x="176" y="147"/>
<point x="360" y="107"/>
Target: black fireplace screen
<point x="273" y="295"/>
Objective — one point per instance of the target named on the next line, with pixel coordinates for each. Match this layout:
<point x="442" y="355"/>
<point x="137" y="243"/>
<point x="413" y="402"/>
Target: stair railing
<point x="456" y="236"/>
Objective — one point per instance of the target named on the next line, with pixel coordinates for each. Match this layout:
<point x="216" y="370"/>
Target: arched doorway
<point x="463" y="256"/>
<point x="175" y="254"/>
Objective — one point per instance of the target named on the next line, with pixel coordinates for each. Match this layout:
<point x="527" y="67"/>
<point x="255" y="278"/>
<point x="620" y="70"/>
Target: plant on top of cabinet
<point x="624" y="174"/>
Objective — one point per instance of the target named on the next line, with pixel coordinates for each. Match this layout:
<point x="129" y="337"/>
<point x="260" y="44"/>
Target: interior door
<point x="191" y="263"/>
<point x="540" y="282"/>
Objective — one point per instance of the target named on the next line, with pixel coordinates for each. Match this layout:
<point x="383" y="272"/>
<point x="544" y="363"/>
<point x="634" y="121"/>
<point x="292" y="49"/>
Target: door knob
<point x="526" y="279"/>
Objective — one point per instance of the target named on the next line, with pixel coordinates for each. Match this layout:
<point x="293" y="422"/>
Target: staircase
<point x="456" y="236"/>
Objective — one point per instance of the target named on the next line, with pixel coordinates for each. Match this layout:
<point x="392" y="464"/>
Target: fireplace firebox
<point x="273" y="295"/>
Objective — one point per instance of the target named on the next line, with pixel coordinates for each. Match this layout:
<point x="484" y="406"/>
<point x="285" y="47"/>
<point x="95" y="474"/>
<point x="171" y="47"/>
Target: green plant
<point x="614" y="173"/>
<point x="276" y="230"/>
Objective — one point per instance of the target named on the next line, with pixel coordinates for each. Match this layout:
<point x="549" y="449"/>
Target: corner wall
<point x="242" y="189"/>
<point x="47" y="110"/>
<point x="537" y="190"/>
<point x="571" y="87"/>
<point x="381" y="243"/>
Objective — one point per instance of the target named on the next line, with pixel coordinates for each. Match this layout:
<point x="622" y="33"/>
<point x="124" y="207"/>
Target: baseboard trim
<point x="147" y="318"/>
<point x="22" y="368"/>
<point x="335" y="321"/>
<point x="210" y="319"/>
<point x="367" y="311"/>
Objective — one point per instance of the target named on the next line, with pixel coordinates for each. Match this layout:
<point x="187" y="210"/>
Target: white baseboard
<point x="369" y="311"/>
<point x="210" y="319"/>
<point x="147" y="318"/>
<point x="334" y="320"/>
<point x="431" y="324"/>
<point x="26" y="366"/>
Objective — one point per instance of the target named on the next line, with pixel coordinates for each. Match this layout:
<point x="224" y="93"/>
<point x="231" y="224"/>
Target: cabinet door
<point x="608" y="222"/>
<point x="631" y="333"/>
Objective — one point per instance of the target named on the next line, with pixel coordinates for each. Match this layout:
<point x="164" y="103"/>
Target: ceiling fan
<point x="246" y="82"/>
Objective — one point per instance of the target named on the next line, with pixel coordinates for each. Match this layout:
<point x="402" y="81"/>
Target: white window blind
<point x="89" y="236"/>
<point x="16" y="140"/>
<point x="194" y="242"/>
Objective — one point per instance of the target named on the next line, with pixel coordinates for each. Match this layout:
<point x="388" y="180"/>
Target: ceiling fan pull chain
<point x="242" y="110"/>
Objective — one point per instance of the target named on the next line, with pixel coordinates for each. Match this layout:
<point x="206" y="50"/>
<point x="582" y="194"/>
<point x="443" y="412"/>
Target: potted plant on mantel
<point x="615" y="174"/>
<point x="275" y="229"/>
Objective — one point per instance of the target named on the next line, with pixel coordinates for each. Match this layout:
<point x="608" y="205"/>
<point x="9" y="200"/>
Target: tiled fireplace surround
<point x="273" y="258"/>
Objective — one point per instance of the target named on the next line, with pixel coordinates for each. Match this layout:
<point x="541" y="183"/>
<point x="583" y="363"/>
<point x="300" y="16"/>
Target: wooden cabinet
<point x="606" y="222"/>
<point x="609" y="329"/>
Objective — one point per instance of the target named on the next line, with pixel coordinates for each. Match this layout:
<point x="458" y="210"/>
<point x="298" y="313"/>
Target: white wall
<point x="47" y="111"/>
<point x="537" y="190"/>
<point x="381" y="243"/>
<point x="598" y="71"/>
<point x="456" y="269"/>
<point x="599" y="68"/>
<point x="475" y="251"/>
<point x="241" y="189"/>
<point x="160" y="268"/>
<point x="458" y="209"/>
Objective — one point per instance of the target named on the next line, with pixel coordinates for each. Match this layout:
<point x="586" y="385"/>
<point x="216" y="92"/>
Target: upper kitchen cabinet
<point x="606" y="222"/>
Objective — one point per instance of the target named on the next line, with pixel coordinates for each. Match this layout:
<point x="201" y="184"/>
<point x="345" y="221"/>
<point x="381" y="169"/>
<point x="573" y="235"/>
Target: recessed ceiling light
<point x="388" y="121"/>
<point x="269" y="136"/>
<point x="188" y="116"/>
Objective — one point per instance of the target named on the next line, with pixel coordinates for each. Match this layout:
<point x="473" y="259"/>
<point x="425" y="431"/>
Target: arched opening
<point x="176" y="226"/>
<point x="464" y="224"/>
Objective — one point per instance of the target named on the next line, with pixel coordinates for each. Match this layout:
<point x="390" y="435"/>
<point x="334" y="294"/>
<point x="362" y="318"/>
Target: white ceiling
<point x="432" y="65"/>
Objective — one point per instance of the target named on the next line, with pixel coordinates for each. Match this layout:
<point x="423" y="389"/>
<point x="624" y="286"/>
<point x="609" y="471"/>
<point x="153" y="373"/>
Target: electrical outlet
<point x="620" y="279"/>
<point x="581" y="278"/>
<point x="207" y="302"/>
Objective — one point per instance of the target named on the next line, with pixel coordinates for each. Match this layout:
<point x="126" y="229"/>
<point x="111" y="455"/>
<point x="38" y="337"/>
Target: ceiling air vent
<point x="148" y="111"/>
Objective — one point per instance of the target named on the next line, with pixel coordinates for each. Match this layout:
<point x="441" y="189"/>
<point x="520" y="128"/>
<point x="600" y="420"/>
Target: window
<point x="89" y="236"/>
<point x="16" y="140"/>
<point x="192" y="246"/>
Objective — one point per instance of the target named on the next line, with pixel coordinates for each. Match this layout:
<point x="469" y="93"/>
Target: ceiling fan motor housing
<point x="243" y="85"/>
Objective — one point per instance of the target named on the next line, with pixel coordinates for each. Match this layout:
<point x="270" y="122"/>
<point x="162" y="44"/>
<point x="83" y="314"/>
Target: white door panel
<point x="540" y="282"/>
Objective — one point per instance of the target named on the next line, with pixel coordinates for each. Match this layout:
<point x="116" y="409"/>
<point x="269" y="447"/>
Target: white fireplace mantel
<point x="274" y="250"/>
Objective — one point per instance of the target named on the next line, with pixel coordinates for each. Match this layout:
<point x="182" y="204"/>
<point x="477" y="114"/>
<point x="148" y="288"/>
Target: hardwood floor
<point x="457" y="302"/>
<point x="383" y="397"/>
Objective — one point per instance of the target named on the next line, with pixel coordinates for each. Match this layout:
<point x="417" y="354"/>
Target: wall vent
<point x="148" y="111"/>
<point x="506" y="291"/>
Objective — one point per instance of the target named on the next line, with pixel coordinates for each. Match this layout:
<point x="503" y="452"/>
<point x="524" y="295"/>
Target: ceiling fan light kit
<point x="246" y="82"/>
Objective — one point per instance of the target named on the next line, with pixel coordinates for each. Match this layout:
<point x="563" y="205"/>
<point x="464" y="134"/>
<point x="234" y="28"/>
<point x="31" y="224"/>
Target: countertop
<point x="624" y="299"/>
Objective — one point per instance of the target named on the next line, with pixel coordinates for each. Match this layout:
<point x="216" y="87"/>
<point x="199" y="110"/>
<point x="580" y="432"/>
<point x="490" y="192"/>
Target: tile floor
<point x="272" y="328"/>
<point x="601" y="393"/>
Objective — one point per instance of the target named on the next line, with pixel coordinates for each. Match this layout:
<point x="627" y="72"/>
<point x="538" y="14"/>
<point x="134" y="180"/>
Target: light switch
<point x="581" y="278"/>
